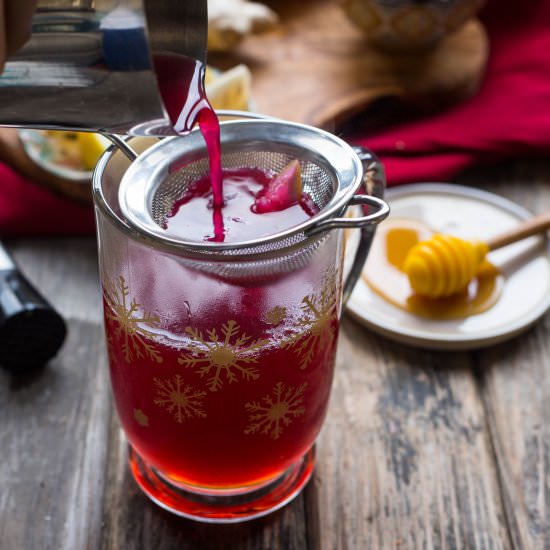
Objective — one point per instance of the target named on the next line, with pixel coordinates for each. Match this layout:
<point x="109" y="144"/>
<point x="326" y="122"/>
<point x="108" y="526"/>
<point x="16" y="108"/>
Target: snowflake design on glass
<point x="276" y="315"/>
<point x="222" y="355"/>
<point x="313" y="330"/>
<point x="275" y="412"/>
<point x="141" y="418"/>
<point x="124" y="313"/>
<point x="179" y="399"/>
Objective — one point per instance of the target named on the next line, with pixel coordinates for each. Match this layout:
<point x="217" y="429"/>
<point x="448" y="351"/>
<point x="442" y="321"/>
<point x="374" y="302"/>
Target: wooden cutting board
<point x="318" y="68"/>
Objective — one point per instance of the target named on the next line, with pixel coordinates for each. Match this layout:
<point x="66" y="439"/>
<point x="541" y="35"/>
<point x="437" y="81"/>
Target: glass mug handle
<point x="374" y="183"/>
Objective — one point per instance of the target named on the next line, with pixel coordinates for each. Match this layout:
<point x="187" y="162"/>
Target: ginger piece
<point x="283" y="191"/>
<point x="229" y="21"/>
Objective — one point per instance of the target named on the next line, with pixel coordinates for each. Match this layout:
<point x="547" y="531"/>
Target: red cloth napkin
<point x="508" y="117"/>
<point x="28" y="209"/>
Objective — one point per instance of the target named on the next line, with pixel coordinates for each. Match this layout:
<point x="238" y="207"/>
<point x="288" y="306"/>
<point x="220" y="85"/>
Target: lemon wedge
<point x="92" y="147"/>
<point x="229" y="89"/>
<point x="75" y="150"/>
<point x="210" y="74"/>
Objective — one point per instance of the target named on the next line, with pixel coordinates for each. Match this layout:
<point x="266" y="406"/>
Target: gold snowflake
<point x="276" y="411"/>
<point x="276" y="315"/>
<point x="225" y="354"/>
<point x="314" y="330"/>
<point x="141" y="418"/>
<point x="179" y="399"/>
<point x="129" y="323"/>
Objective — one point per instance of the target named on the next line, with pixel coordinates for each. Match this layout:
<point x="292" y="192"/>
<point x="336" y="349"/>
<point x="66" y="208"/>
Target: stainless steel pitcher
<point x="89" y="64"/>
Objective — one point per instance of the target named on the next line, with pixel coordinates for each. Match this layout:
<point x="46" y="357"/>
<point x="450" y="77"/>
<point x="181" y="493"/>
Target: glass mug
<point x="222" y="355"/>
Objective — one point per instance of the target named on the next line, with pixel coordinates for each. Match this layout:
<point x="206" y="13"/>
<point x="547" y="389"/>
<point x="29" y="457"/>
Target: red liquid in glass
<point x="216" y="445"/>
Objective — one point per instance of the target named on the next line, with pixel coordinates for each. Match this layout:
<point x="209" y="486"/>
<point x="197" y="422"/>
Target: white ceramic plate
<point x="467" y="213"/>
<point x="36" y="145"/>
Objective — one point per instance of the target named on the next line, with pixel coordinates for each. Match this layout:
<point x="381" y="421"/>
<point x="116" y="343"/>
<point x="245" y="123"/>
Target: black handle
<point x="31" y="331"/>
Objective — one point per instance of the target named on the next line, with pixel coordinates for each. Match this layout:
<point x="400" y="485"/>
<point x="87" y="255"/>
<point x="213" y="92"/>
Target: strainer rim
<point x="154" y="233"/>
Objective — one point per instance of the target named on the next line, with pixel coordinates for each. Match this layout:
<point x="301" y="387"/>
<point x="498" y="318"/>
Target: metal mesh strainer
<point x="331" y="174"/>
<point x="318" y="183"/>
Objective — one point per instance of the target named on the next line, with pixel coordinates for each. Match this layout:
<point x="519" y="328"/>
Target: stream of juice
<point x="181" y="83"/>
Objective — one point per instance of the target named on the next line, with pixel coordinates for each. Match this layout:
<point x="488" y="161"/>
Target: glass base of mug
<point x="213" y="506"/>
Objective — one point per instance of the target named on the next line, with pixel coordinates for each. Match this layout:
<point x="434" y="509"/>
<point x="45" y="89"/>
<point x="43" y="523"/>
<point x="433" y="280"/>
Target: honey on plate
<point x="384" y="273"/>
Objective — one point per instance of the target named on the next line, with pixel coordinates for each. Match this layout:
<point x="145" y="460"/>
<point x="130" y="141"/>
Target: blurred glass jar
<point x="409" y="25"/>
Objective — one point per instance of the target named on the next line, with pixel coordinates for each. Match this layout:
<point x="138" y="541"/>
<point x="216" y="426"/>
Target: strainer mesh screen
<point x="270" y="256"/>
<point x="317" y="182"/>
<point x="291" y="248"/>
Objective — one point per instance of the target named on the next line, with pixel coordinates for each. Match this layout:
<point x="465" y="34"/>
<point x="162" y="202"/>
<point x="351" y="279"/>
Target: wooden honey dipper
<point x="444" y="264"/>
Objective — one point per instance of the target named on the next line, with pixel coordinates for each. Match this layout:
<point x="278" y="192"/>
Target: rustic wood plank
<point x="515" y="383"/>
<point x="53" y="435"/>
<point x="407" y="460"/>
<point x="517" y="398"/>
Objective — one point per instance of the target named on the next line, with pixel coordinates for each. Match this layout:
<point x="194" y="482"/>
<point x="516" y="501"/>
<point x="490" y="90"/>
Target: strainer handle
<point x="381" y="213"/>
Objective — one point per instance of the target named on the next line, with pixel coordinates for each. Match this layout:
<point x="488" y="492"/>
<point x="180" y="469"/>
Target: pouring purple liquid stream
<point x="181" y="82"/>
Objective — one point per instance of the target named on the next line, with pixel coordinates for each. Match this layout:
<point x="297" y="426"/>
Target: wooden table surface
<point x="420" y="449"/>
